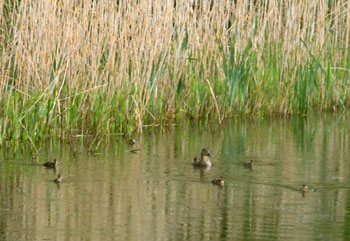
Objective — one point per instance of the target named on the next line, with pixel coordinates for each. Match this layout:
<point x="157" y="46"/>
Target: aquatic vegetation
<point x="74" y="69"/>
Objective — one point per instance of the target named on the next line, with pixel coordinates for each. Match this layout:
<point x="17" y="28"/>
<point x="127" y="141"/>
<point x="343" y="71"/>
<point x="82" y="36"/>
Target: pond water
<point x="156" y="194"/>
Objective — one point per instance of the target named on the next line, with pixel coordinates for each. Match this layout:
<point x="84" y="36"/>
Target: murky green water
<point x="156" y="194"/>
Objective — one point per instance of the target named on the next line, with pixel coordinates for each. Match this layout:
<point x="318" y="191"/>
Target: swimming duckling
<point x="203" y="160"/>
<point x="58" y="179"/>
<point x="50" y="164"/>
<point x="219" y="181"/>
<point x="132" y="142"/>
<point x="248" y="164"/>
<point x="304" y="188"/>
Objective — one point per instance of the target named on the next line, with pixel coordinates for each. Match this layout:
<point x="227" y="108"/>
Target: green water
<point x="155" y="194"/>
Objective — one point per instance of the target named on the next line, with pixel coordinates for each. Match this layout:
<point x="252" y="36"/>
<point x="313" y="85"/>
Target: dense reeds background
<point x="95" y="67"/>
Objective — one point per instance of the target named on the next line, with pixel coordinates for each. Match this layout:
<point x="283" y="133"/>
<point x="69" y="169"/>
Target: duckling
<point x="219" y="182"/>
<point x="132" y="142"/>
<point x="51" y="164"/>
<point x="58" y="179"/>
<point x="304" y="188"/>
<point x="248" y="164"/>
<point x="203" y="160"/>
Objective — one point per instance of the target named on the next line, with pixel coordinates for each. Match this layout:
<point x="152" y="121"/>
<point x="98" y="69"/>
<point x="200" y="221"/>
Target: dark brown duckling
<point x="58" y="179"/>
<point x="132" y="142"/>
<point x="51" y="164"/>
<point x="219" y="182"/>
<point x="248" y="164"/>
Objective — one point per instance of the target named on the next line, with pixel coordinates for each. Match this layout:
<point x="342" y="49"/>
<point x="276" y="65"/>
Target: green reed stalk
<point x="111" y="67"/>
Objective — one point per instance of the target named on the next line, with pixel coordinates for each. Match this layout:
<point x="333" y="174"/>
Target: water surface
<point x="155" y="194"/>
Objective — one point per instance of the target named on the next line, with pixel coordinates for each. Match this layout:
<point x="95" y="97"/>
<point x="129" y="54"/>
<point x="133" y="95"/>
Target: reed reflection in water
<point x="156" y="194"/>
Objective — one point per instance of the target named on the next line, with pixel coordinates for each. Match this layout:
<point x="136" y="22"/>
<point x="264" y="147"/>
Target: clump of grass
<point x="71" y="68"/>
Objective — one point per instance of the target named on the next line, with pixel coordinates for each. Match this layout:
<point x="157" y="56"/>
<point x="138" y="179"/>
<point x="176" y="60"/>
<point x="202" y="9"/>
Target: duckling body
<point x="58" y="179"/>
<point x="248" y="164"/>
<point x="219" y="182"/>
<point x="203" y="160"/>
<point x="51" y="164"/>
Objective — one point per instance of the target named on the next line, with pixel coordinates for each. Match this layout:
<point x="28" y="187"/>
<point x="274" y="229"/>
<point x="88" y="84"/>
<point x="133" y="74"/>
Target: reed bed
<point x="73" y="68"/>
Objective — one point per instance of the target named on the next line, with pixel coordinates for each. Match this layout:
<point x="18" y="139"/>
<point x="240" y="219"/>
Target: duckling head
<point x="221" y="181"/>
<point x="206" y="152"/>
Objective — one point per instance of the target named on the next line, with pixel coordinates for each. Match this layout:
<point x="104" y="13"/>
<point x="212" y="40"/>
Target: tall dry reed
<point x="95" y="67"/>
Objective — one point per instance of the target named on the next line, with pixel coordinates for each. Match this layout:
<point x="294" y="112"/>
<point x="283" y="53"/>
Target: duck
<point x="58" y="179"/>
<point x="203" y="160"/>
<point x="248" y="164"/>
<point x="219" y="182"/>
<point x="51" y="164"/>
